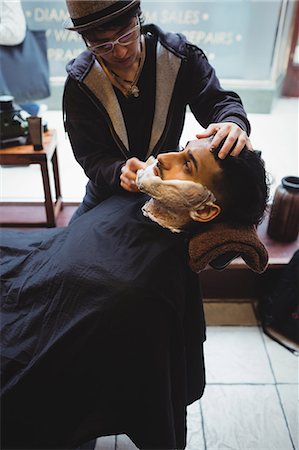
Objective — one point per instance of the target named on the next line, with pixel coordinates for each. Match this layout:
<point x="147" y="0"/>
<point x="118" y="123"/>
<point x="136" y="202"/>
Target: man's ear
<point x="209" y="212"/>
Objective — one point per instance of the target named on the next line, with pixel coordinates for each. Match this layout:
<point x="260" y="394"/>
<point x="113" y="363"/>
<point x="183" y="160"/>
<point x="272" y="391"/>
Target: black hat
<point x="88" y="14"/>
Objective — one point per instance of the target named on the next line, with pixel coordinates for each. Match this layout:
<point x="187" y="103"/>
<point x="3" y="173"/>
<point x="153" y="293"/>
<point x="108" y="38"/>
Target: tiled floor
<point x="251" y="397"/>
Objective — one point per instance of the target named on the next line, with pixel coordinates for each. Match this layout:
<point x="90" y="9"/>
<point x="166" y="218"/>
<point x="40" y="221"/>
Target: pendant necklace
<point x="133" y="89"/>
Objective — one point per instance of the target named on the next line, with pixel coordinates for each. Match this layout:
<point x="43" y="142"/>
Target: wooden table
<point x="26" y="155"/>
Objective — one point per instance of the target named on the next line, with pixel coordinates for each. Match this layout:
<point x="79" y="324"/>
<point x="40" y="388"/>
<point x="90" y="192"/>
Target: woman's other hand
<point x="128" y="174"/>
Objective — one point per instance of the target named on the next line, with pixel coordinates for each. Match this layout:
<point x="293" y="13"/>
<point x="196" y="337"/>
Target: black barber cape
<point x="102" y="331"/>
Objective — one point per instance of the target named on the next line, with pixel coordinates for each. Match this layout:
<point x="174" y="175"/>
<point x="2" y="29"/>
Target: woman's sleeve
<point x="12" y="23"/>
<point x="91" y="139"/>
<point x="208" y="101"/>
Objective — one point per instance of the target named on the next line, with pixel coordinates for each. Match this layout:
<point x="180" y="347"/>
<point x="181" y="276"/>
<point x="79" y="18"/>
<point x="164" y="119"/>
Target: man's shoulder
<point x="176" y="43"/>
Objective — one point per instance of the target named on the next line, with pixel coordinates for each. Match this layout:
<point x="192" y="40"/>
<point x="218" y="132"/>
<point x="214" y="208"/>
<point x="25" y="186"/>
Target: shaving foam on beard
<point x="173" y="194"/>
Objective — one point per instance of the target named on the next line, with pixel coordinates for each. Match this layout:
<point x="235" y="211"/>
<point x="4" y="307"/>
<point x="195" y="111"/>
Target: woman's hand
<point x="128" y="174"/>
<point x="229" y="131"/>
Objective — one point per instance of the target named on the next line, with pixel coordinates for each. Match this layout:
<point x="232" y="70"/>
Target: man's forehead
<point x="200" y="148"/>
<point x="199" y="144"/>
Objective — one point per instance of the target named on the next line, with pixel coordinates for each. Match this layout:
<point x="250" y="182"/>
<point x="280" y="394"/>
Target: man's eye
<point x="188" y="166"/>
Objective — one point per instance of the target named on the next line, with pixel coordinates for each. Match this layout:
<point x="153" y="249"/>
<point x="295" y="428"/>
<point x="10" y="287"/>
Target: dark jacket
<point x="94" y="119"/>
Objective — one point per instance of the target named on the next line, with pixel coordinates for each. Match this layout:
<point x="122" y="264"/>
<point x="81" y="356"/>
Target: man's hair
<point x="241" y="188"/>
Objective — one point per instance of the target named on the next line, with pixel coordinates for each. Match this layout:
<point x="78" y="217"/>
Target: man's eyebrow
<point x="191" y="156"/>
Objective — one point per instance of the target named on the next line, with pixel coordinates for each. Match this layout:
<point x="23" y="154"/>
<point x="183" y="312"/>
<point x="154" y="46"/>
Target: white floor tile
<point x="194" y="427"/>
<point x="289" y="398"/>
<point x="284" y="363"/>
<point x="236" y="355"/>
<point x="244" y="418"/>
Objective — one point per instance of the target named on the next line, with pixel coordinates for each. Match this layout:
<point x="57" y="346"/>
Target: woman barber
<point x="126" y="95"/>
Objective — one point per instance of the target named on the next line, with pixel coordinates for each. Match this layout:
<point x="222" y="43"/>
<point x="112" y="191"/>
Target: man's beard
<point x="173" y="201"/>
<point x="173" y="194"/>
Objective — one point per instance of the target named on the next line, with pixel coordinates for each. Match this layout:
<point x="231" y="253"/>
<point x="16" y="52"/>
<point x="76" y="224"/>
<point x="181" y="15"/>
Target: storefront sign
<point x="238" y="36"/>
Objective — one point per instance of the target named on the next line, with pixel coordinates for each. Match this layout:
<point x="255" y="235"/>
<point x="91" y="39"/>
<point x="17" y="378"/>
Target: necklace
<point x="132" y="89"/>
<point x="128" y="87"/>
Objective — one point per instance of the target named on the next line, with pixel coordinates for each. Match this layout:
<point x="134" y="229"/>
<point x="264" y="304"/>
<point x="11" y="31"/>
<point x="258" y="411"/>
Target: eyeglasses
<point x="125" y="39"/>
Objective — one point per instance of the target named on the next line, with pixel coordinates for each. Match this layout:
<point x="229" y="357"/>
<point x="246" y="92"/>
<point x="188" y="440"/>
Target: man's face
<point x="194" y="163"/>
<point x="122" y="56"/>
<point x="183" y="182"/>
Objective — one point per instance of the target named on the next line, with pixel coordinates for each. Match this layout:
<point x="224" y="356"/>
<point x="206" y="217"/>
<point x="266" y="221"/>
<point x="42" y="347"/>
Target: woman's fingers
<point x="233" y="136"/>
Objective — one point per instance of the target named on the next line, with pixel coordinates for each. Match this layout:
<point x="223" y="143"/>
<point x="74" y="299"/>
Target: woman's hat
<point x="88" y="14"/>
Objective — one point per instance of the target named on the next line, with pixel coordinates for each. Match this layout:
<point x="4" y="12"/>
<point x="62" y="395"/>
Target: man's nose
<point x="119" y="51"/>
<point x="167" y="159"/>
